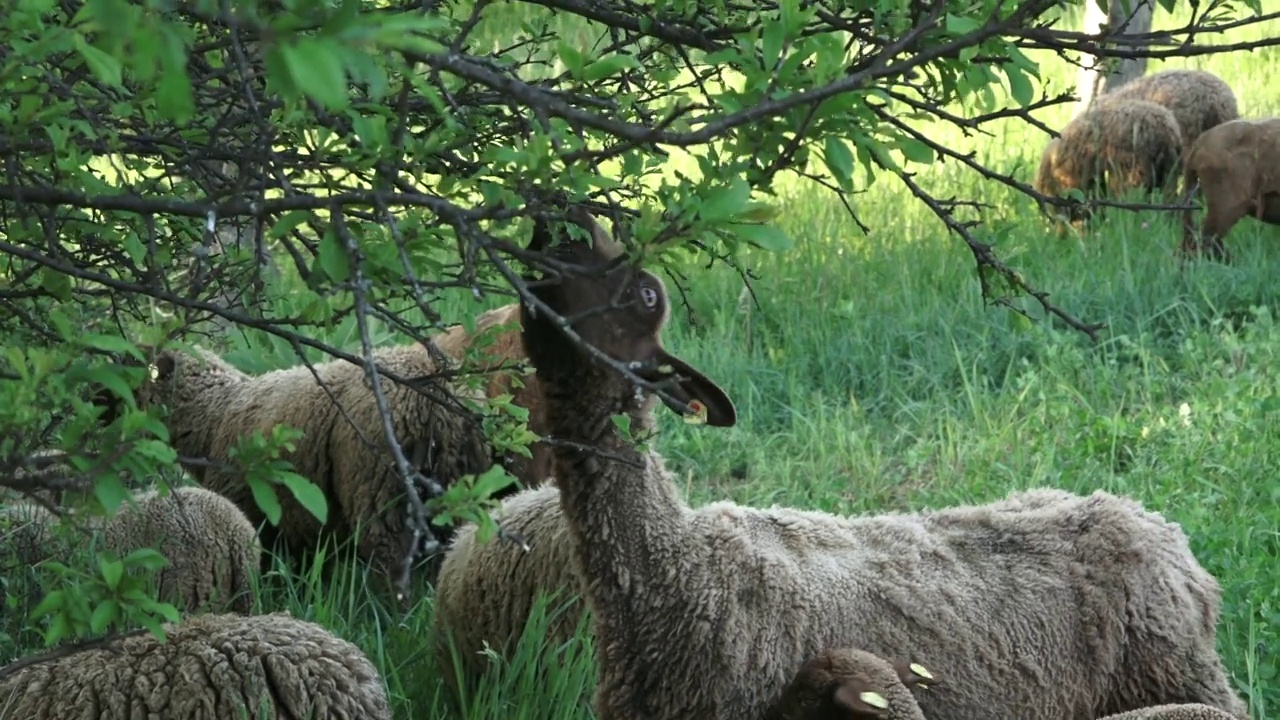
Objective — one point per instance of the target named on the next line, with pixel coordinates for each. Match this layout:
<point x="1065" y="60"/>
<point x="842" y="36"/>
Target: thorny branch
<point x="141" y="243"/>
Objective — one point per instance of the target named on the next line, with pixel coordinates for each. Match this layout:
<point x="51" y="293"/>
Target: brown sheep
<point x="212" y="405"/>
<point x="1198" y="99"/>
<point x="1074" y="605"/>
<point x="1236" y="167"/>
<point x="504" y="358"/>
<point x="269" y="667"/>
<point x="846" y="684"/>
<point x="1132" y="145"/>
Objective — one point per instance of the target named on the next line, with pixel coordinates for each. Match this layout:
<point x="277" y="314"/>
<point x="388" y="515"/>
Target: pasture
<point x="872" y="377"/>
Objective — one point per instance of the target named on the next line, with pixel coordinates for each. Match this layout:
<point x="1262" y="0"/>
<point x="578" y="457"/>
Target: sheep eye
<point x="648" y="296"/>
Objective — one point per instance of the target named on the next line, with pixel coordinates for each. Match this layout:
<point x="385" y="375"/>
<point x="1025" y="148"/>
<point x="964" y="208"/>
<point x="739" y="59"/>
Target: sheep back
<point x="213" y="551"/>
<point x="486" y="590"/>
<point x="1132" y="144"/>
<point x="212" y="667"/>
<point x="1198" y="99"/>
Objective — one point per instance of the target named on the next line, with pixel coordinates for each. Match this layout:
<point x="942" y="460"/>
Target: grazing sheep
<point x="504" y="358"/>
<point x="212" y="666"/>
<point x="1077" y="607"/>
<point x="212" y="405"/>
<point x="213" y="551"/>
<point x="1199" y="100"/>
<point x="1236" y="167"/>
<point x="486" y="590"/>
<point x="848" y="683"/>
<point x="1131" y="144"/>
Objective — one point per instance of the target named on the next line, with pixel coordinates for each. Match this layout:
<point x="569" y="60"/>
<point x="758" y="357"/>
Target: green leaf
<point x="839" y="161"/>
<point x="959" y="25"/>
<point x="174" y="97"/>
<point x="1019" y="86"/>
<point x="110" y="343"/>
<point x="766" y="237"/>
<point x="724" y="202"/>
<point x="264" y="495"/>
<point x="55" y="283"/>
<point x="110" y="492"/>
<point x="103" y="66"/>
<point x="112" y="570"/>
<point x="332" y="257"/>
<point x="287" y="223"/>
<point x="607" y="66"/>
<point x="103" y="616"/>
<point x="573" y="59"/>
<point x="308" y="494"/>
<point x="622" y="421"/>
<point x="145" y="558"/>
<point x="316" y="70"/>
<point x="493" y="480"/>
<point x="915" y="151"/>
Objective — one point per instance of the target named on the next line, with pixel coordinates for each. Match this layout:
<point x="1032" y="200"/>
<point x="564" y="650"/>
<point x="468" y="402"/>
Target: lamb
<point x="1132" y="144"/>
<point x="847" y="683"/>
<point x="1199" y="100"/>
<point x="1235" y="166"/>
<point x="212" y="405"/>
<point x="1075" y="606"/>
<point x="213" y="551"/>
<point x="211" y="667"/>
<point x="505" y="359"/>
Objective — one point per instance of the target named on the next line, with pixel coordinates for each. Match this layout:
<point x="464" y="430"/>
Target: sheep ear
<point x="704" y="400"/>
<point x="861" y="700"/>
<point x="915" y="675"/>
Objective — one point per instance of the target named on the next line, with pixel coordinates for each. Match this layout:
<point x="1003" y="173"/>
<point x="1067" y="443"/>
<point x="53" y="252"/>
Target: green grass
<point x="872" y="378"/>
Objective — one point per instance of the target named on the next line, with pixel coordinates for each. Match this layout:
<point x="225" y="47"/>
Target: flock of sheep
<point x="1144" y="134"/>
<point x="1045" y="605"/>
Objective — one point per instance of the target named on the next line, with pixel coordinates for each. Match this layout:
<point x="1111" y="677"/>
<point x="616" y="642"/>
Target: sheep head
<point x="617" y="307"/>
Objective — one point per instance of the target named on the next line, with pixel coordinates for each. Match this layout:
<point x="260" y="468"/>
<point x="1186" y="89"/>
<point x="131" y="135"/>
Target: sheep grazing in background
<point x="1066" y="607"/>
<point x="1236" y="167"/>
<point x="212" y="549"/>
<point x="212" y="666"/>
<point x="1131" y="145"/>
<point x="212" y="405"/>
<point x="846" y="684"/>
<point x="1199" y="100"/>
<point x="504" y="358"/>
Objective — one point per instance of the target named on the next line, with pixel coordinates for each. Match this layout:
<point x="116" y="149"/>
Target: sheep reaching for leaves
<point x="210" y="667"/>
<point x="1069" y="606"/>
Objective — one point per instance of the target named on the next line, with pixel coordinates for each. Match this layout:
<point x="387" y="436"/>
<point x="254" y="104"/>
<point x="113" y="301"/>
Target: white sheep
<point x="211" y="667"/>
<point x="1056" y="608"/>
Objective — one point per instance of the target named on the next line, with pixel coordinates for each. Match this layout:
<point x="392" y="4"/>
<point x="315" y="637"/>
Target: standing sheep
<point x="212" y="405"/>
<point x="212" y="667"/>
<point x="1074" y="608"/>
<point x="213" y="551"/>
<point x="1132" y="144"/>
<point x="1236" y="167"/>
<point x="1199" y="100"/>
<point x="845" y="684"/>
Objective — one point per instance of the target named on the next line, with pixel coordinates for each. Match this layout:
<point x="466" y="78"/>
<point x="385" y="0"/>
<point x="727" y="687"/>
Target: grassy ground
<point x="871" y="377"/>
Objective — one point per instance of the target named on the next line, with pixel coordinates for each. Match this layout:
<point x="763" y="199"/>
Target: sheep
<point x="212" y="405"/>
<point x="504" y="358"/>
<point x="212" y="549"/>
<point x="210" y="667"/>
<point x="1132" y="144"/>
<point x="1076" y="607"/>
<point x="848" y="683"/>
<point x="1191" y="711"/>
<point x="1199" y="100"/>
<point x="1234" y="165"/>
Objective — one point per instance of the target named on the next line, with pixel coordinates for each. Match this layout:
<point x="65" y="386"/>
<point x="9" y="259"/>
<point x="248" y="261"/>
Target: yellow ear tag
<point x="155" y="371"/>
<point x="919" y="670"/>
<point x="698" y="414"/>
<point x="874" y="700"/>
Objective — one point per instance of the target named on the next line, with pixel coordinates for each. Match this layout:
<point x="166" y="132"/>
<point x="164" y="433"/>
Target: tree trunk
<point x="1098" y="75"/>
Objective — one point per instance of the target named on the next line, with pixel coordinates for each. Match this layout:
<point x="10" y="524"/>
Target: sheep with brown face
<point x="708" y="612"/>
<point x="848" y="684"/>
<point x="1120" y="145"/>
<point x="1198" y="99"/>
<point x="1236" y="168"/>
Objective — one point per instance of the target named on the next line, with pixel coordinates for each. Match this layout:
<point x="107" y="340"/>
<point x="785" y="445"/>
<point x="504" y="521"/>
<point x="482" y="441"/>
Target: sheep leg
<point x="1220" y="216"/>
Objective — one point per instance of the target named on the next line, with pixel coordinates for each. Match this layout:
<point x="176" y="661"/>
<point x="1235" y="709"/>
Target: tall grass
<point x="871" y="377"/>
